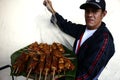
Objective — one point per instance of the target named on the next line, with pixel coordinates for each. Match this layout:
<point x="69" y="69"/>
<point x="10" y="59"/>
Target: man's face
<point x="93" y="17"/>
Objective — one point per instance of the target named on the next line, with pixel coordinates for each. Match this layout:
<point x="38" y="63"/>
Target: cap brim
<point x="85" y="5"/>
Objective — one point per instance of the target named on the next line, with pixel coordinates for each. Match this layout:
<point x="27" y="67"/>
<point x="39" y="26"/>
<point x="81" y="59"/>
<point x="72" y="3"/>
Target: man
<point x="94" y="45"/>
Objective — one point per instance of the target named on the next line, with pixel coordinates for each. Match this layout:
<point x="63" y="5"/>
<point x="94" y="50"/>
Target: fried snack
<point x="57" y="53"/>
<point x="46" y="48"/>
<point x="43" y="59"/>
<point x="41" y="64"/>
<point x="34" y="46"/>
<point x="48" y="61"/>
<point x="68" y="64"/>
<point x="34" y="58"/>
<point x="61" y="65"/>
<point x="54" y="46"/>
<point x="60" y="47"/>
<point x="54" y="64"/>
<point x="20" y="63"/>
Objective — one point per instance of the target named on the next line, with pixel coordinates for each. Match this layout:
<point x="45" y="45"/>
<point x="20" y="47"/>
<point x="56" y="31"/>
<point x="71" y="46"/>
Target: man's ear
<point x="104" y="13"/>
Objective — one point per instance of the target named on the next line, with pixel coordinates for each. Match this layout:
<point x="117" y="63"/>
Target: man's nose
<point x="90" y="13"/>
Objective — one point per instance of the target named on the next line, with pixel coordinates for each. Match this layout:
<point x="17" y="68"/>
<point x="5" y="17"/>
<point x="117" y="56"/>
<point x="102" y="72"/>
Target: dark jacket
<point x="94" y="53"/>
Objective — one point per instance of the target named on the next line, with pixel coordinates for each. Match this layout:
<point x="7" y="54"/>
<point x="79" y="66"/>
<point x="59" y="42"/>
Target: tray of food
<point x="44" y="62"/>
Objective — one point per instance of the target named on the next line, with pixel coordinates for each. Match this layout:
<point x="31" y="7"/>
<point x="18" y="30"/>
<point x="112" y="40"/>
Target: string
<point x="67" y="43"/>
<point x="64" y="39"/>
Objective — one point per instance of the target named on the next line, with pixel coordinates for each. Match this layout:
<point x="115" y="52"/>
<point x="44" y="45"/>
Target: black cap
<point x="100" y="4"/>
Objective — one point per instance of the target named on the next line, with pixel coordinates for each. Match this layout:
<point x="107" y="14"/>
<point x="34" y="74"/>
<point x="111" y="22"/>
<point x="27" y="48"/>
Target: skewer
<point x="48" y="61"/>
<point x="16" y="78"/>
<point x="46" y="74"/>
<point x="40" y="74"/>
<point x="13" y="71"/>
<point x="29" y="73"/>
<point x="35" y="76"/>
<point x="16" y="70"/>
<point x="53" y="78"/>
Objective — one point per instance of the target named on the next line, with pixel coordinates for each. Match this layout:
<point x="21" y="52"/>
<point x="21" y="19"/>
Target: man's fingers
<point x="48" y="4"/>
<point x="44" y="3"/>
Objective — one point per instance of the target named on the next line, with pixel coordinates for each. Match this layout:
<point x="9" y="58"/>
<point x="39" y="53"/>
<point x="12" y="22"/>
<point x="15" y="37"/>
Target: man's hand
<point x="48" y="4"/>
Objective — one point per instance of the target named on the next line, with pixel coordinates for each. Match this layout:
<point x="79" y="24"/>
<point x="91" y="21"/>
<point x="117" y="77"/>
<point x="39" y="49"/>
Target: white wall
<point x="25" y="21"/>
